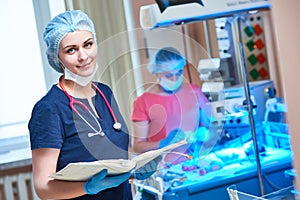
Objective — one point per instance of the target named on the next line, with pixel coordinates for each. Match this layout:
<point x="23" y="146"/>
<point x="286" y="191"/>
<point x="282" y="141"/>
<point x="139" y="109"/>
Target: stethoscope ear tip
<point x="117" y="126"/>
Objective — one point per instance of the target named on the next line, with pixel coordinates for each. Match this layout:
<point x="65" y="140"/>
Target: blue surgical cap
<point x="58" y="28"/>
<point x="166" y="59"/>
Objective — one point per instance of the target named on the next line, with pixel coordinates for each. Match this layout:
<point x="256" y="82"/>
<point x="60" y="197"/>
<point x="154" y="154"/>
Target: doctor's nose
<point x="82" y="55"/>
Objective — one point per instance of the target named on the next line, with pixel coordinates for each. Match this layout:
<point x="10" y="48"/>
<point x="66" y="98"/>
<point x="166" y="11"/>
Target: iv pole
<point x="249" y="106"/>
<point x="242" y="68"/>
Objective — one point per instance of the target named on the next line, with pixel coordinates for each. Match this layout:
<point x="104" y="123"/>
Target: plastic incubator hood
<point x="152" y="16"/>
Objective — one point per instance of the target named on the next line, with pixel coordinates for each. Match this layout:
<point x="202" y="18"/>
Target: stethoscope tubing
<point x="106" y="102"/>
<point x="72" y="101"/>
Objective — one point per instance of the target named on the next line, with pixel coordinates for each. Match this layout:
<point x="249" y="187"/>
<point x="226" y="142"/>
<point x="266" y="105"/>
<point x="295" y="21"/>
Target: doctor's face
<point x="78" y="52"/>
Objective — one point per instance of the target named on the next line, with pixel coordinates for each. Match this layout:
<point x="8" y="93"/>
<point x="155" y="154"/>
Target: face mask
<point x="81" y="80"/>
<point x="169" y="85"/>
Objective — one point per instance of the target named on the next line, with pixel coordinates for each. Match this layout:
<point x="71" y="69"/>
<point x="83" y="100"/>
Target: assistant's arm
<point x="206" y="122"/>
<point x="204" y="119"/>
<point x="140" y="140"/>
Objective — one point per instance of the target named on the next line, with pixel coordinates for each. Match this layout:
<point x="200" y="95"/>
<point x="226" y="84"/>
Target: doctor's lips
<point x="84" y="65"/>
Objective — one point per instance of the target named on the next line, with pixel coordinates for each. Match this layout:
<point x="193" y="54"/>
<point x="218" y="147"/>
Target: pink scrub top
<point x="168" y="112"/>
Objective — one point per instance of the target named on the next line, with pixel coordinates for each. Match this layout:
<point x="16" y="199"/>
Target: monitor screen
<point x="163" y="4"/>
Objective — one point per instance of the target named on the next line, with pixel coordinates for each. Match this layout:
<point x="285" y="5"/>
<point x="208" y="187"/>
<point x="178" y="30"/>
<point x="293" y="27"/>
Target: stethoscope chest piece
<point x="117" y="126"/>
<point x="101" y="133"/>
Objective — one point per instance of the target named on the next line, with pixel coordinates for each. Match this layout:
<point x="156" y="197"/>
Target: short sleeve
<point x="45" y="127"/>
<point x="139" y="112"/>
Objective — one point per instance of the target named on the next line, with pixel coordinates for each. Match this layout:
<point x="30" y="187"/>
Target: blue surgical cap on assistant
<point x="166" y="59"/>
<point x="58" y="28"/>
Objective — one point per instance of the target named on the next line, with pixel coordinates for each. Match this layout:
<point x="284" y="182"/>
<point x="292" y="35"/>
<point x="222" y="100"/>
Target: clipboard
<point x="82" y="171"/>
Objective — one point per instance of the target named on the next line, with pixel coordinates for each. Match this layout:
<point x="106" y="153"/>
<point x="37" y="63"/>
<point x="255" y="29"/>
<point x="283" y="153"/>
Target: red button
<point x="259" y="44"/>
<point x="261" y="58"/>
<point x="263" y="72"/>
<point x="257" y="29"/>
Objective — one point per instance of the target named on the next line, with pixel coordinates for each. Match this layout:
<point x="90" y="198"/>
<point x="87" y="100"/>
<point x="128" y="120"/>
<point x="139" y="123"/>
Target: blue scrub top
<point x="53" y="124"/>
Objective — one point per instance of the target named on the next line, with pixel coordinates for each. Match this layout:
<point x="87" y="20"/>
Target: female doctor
<point x="78" y="120"/>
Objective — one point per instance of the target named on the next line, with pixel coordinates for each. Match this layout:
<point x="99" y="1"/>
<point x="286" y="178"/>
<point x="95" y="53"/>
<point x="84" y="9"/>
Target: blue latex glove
<point x="202" y="134"/>
<point x="101" y="181"/>
<point x="148" y="169"/>
<point x="174" y="136"/>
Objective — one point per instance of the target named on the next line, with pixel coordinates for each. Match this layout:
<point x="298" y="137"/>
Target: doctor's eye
<point x="174" y="74"/>
<point x="169" y="75"/>
<point x="88" y="44"/>
<point x="70" y="50"/>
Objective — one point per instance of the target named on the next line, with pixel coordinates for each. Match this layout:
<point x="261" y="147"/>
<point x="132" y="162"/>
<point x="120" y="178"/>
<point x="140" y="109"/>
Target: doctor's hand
<point x="101" y="181"/>
<point x="201" y="134"/>
<point x="174" y="136"/>
<point x="148" y="169"/>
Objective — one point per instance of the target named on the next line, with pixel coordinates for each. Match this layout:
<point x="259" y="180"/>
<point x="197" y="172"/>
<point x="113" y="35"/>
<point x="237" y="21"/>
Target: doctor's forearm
<point x="55" y="189"/>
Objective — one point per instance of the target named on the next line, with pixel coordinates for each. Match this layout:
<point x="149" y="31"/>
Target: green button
<point x="252" y="59"/>
<point x="250" y="45"/>
<point x="249" y="31"/>
<point x="254" y="74"/>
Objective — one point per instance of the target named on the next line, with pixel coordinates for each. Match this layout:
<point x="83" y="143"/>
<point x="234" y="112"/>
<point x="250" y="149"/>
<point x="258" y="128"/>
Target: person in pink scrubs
<point x="170" y="108"/>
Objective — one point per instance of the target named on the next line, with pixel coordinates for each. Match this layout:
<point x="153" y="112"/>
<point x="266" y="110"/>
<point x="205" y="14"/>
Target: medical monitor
<point x="163" y="4"/>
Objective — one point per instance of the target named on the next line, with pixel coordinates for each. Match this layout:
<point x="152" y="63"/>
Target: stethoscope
<point x="117" y="126"/>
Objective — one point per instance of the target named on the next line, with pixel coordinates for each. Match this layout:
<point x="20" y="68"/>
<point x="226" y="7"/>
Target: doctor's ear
<point x="61" y="65"/>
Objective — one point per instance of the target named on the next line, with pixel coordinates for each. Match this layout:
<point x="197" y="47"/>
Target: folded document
<point x="82" y="171"/>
